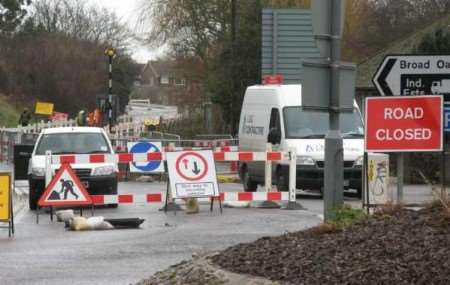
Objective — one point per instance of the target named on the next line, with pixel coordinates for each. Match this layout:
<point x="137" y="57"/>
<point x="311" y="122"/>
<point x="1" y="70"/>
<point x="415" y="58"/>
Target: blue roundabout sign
<point x="146" y="147"/>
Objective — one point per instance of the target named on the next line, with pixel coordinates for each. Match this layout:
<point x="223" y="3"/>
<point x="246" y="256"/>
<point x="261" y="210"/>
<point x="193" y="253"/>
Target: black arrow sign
<point x="196" y="170"/>
<point x="381" y="79"/>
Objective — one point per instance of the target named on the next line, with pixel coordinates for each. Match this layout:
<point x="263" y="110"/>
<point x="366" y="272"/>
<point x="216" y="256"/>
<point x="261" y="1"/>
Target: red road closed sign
<point x="404" y="124"/>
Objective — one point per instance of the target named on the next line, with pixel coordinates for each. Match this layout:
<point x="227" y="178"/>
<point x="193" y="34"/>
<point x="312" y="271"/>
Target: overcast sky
<point x="128" y="11"/>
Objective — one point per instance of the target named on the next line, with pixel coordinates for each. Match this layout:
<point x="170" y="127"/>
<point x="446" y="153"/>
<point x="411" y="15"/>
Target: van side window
<point x="275" y="119"/>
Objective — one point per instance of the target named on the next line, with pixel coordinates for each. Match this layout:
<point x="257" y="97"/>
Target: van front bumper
<point x="312" y="177"/>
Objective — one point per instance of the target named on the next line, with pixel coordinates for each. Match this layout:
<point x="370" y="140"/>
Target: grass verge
<point x="9" y="115"/>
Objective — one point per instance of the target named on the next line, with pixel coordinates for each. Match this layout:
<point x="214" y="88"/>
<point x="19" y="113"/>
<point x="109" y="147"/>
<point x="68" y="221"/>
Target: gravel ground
<point x="200" y="271"/>
<point x="406" y="248"/>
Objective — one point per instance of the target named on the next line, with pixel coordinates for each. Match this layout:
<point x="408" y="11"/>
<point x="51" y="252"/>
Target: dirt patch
<point x="407" y="247"/>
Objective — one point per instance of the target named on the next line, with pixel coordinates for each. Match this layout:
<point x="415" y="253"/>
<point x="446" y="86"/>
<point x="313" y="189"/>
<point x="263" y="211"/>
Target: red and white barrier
<point x="267" y="156"/>
<point x="158" y="197"/>
<point x="126" y="199"/>
<point x="155" y="156"/>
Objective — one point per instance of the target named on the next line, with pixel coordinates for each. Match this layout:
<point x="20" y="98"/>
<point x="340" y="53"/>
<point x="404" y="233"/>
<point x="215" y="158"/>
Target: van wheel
<point x="249" y="184"/>
<point x="282" y="181"/>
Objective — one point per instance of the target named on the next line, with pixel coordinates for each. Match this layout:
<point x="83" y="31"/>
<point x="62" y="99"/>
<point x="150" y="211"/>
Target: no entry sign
<point x="403" y="124"/>
<point x="192" y="174"/>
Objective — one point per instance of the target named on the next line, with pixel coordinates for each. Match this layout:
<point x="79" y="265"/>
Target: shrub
<point x="345" y="216"/>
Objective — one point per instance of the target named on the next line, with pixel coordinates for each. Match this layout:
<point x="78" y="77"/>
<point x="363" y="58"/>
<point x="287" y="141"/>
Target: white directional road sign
<point x="414" y="75"/>
<point x="192" y="174"/>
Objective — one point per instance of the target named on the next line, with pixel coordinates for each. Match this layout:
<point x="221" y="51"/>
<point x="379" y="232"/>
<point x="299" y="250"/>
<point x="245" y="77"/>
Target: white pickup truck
<point x="98" y="178"/>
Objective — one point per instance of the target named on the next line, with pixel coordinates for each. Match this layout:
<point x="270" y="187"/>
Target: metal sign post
<point x="329" y="85"/>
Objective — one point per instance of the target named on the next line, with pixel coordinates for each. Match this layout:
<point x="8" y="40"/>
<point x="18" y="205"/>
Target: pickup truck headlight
<point x="305" y="160"/>
<point x="38" y="171"/>
<point x="359" y="161"/>
<point x="103" y="170"/>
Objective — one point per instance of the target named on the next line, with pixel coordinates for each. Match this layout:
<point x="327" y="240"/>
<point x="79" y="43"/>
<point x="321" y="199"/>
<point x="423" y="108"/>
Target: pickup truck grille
<point x="83" y="172"/>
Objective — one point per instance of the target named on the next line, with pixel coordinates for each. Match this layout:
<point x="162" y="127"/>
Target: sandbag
<point x="95" y="222"/>
<point x="192" y="206"/>
<point x="89" y="224"/>
<point x="64" y="215"/>
<point x="79" y="224"/>
<point x="105" y="226"/>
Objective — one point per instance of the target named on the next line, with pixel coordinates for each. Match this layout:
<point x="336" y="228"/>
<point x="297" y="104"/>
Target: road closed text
<point x="400" y="133"/>
<point x="404" y="124"/>
<point x="403" y="134"/>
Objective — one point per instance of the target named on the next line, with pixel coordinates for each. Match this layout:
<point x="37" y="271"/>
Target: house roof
<point x="368" y="67"/>
<point x="159" y="67"/>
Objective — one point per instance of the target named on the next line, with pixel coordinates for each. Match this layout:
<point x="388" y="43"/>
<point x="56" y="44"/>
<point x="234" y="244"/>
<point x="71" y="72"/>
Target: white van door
<point x="274" y="136"/>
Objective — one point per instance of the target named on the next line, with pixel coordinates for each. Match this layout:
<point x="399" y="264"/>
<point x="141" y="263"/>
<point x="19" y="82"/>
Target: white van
<point x="98" y="178"/>
<point x="274" y="113"/>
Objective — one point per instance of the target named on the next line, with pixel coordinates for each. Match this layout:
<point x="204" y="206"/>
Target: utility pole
<point x="329" y="85"/>
<point x="110" y="53"/>
<point x="334" y="153"/>
<point x="233" y="66"/>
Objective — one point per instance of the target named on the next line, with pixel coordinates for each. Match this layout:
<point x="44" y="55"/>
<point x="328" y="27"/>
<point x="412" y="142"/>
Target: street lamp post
<point x="110" y="53"/>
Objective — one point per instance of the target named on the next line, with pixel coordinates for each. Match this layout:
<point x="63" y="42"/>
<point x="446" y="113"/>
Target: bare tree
<point x="78" y="20"/>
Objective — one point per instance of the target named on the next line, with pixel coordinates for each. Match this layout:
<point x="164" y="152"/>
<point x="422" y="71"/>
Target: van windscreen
<point x="300" y="123"/>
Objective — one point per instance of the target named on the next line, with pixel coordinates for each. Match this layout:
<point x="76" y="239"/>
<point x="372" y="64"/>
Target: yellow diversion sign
<point x="44" y="108"/>
<point x="5" y="197"/>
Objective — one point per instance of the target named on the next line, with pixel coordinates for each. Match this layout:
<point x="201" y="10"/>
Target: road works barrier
<point x="269" y="156"/>
<point x="159" y="197"/>
<point x="155" y="156"/>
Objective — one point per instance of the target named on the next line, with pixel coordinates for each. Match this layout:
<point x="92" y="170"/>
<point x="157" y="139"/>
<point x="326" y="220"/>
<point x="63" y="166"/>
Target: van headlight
<point x="305" y="160"/>
<point x="103" y="170"/>
<point x="38" y="171"/>
<point x="359" y="161"/>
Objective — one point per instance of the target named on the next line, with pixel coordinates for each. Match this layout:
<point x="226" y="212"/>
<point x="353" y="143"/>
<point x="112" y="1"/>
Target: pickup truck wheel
<point x="33" y="197"/>
<point x="282" y="181"/>
<point x="249" y="184"/>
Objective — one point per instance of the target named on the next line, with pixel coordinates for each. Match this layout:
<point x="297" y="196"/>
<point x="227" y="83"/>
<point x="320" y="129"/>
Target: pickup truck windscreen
<point x="300" y="123"/>
<point x="76" y="143"/>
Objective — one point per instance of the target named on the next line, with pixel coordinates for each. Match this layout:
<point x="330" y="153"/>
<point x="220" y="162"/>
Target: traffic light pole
<point x="110" y="96"/>
<point x="110" y="53"/>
